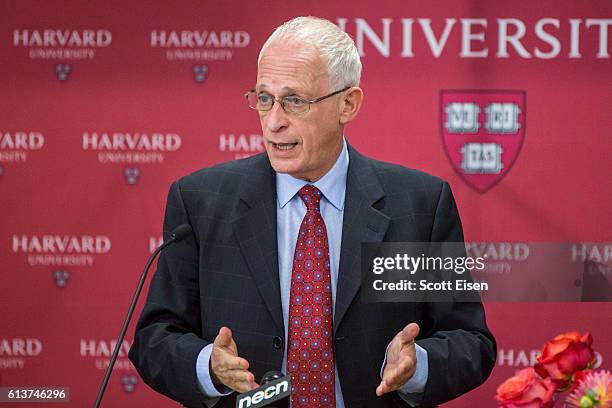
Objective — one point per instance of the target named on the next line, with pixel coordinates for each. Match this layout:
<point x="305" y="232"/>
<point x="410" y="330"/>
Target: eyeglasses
<point x="263" y="101"/>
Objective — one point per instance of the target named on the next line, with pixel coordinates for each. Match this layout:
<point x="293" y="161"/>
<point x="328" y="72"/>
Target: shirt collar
<point x="332" y="184"/>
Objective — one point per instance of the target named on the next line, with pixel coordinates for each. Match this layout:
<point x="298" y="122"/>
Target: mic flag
<point x="274" y="391"/>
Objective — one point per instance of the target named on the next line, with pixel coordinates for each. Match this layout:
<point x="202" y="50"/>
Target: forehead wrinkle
<point x="288" y="76"/>
<point x="299" y="70"/>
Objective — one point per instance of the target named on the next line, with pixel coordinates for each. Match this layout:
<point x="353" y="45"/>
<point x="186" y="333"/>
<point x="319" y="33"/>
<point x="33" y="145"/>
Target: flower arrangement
<point x="565" y="364"/>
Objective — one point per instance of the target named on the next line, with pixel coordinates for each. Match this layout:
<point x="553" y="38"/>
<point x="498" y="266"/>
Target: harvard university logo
<point x="482" y="133"/>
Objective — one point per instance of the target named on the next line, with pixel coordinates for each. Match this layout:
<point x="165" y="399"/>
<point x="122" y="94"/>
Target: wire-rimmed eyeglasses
<point x="263" y="101"/>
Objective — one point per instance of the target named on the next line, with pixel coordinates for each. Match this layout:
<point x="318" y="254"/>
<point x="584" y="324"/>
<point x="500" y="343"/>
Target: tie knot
<point x="311" y="197"/>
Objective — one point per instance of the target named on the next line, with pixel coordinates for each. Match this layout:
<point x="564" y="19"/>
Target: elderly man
<point x="270" y="278"/>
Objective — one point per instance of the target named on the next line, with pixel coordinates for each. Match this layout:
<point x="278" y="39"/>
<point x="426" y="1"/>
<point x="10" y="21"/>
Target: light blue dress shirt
<point x="290" y="211"/>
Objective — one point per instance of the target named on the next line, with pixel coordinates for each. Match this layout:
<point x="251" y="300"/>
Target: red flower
<point x="525" y="390"/>
<point x="563" y="356"/>
<point x="578" y="377"/>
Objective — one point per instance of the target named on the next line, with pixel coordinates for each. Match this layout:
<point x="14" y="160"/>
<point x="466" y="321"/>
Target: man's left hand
<point x="401" y="360"/>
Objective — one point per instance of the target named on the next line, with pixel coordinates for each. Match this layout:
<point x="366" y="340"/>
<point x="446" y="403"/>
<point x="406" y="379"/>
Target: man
<point x="275" y="254"/>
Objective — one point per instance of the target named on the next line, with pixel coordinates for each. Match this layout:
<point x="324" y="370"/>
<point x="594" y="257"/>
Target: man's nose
<point x="276" y="118"/>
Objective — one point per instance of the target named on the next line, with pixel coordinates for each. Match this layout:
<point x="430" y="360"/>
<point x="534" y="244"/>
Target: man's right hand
<point x="226" y="367"/>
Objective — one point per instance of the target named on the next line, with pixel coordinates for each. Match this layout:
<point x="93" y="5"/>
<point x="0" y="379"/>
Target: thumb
<point x="224" y="338"/>
<point x="409" y="333"/>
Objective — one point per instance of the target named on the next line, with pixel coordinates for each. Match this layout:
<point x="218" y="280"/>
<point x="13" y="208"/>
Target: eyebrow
<point x="287" y="90"/>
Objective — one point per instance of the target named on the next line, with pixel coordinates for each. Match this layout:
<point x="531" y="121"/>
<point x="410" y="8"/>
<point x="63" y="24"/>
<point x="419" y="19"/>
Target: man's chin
<point x="293" y="171"/>
<point x="284" y="169"/>
<point x="282" y="165"/>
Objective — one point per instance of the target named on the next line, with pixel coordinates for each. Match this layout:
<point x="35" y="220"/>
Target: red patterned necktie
<point x="310" y="358"/>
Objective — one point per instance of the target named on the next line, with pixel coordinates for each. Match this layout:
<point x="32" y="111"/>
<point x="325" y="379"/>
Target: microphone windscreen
<point x="271" y="376"/>
<point x="181" y="232"/>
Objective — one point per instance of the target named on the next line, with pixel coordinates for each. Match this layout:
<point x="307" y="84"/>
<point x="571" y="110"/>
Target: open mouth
<point x="284" y="146"/>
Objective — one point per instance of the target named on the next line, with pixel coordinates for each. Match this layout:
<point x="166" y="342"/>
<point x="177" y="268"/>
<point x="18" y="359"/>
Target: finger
<point x="241" y="380"/>
<point x="240" y="376"/>
<point x="223" y="360"/>
<point x="380" y="390"/>
<point x="224" y="338"/>
<point x="229" y="362"/>
<point x="401" y="372"/>
<point x="384" y="388"/>
<point x="235" y="379"/>
<point x="238" y="363"/>
<point x="395" y="377"/>
<point x="409" y="333"/>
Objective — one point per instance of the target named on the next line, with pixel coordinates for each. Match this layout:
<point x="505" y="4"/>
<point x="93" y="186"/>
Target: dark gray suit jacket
<point x="226" y="274"/>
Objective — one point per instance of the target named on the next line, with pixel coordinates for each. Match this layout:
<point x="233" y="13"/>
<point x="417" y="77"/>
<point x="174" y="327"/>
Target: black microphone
<point x="274" y="392"/>
<point x="178" y="234"/>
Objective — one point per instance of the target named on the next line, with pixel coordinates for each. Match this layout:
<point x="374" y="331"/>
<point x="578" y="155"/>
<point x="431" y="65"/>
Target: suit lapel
<point x="362" y="223"/>
<point x="255" y="230"/>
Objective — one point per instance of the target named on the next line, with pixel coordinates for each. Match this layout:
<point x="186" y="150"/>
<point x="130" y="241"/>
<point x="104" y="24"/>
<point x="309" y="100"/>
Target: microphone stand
<point x="126" y="323"/>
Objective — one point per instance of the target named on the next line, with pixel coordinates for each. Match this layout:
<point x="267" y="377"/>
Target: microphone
<point x="178" y="234"/>
<point x="274" y="392"/>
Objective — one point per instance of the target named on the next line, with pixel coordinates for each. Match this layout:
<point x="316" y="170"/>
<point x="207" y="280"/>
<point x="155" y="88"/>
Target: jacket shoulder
<point x="225" y="175"/>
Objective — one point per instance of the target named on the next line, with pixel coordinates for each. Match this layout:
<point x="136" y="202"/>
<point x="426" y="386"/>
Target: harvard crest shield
<point x="482" y="133"/>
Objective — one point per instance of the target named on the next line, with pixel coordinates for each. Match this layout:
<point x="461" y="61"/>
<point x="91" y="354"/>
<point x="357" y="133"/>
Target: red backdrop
<point x="103" y="105"/>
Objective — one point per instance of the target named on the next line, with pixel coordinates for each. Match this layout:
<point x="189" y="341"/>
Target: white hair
<point x="335" y="47"/>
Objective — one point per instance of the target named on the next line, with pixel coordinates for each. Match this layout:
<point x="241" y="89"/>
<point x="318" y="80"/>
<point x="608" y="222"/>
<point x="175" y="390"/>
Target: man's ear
<point x="350" y="105"/>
